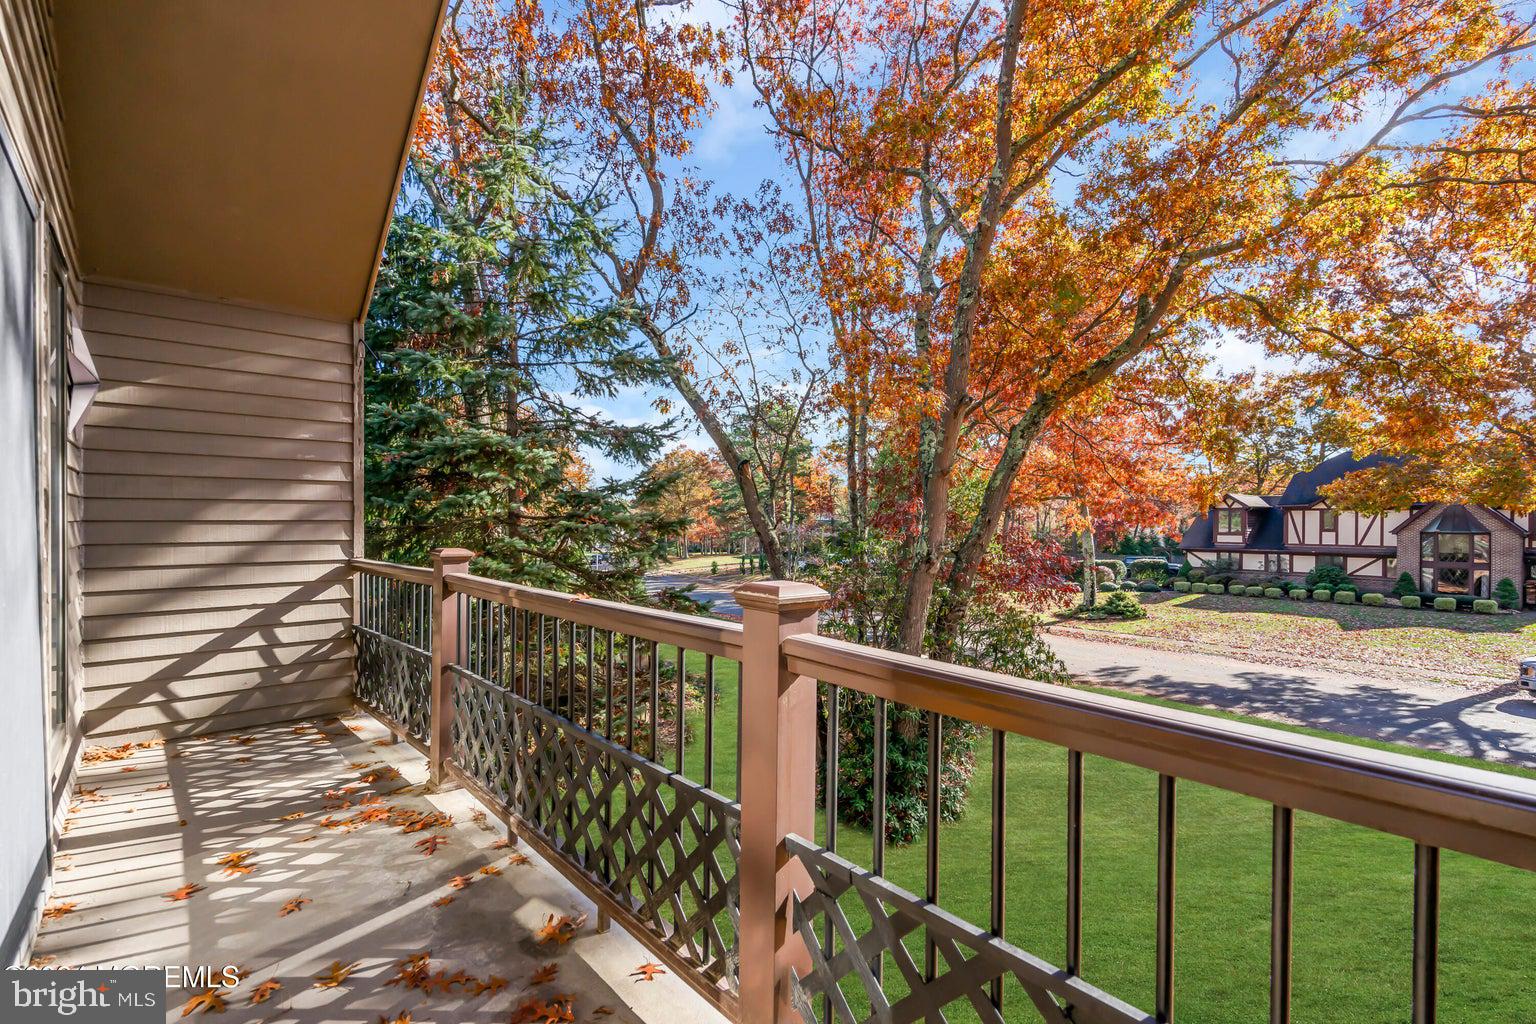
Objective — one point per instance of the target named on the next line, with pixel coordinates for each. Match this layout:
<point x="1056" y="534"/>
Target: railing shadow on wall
<point x="675" y="767"/>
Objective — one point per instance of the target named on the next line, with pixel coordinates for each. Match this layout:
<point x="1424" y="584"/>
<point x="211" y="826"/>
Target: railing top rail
<point x="1473" y="810"/>
<point x="407" y="573"/>
<point x="708" y="636"/>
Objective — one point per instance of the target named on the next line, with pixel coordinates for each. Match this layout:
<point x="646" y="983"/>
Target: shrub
<point x="1196" y="575"/>
<point x="1153" y="570"/>
<point x="1257" y="591"/>
<point x="1108" y="586"/>
<point x="1298" y="593"/>
<point x="1182" y="586"/>
<point x="1149" y="587"/>
<point x="1506" y="593"/>
<point x="1322" y="594"/>
<point x="1122" y="605"/>
<point x="1199" y="588"/>
<point x="1411" y="600"/>
<point x="1445" y="604"/>
<point x="1115" y="566"/>
<point x="1485" y="607"/>
<point x="1330" y="576"/>
<point x="1343" y="597"/>
<point x="1215" y="588"/>
<point x="1273" y="592"/>
<point x="1405" y="586"/>
<point x="714" y="568"/>
<point x="1374" y="600"/>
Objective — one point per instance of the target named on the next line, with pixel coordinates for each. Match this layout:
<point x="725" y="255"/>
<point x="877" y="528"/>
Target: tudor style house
<point x="1448" y="549"/>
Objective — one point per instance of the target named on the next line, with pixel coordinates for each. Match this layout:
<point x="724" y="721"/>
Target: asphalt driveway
<point x="1495" y="723"/>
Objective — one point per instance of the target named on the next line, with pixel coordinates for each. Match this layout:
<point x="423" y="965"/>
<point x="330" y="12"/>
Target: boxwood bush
<point x="1298" y="593"/>
<point x="1343" y="597"/>
<point x="1445" y="604"/>
<point x="1182" y="586"/>
<point x="1374" y="600"/>
<point x="1411" y="601"/>
<point x="1148" y="587"/>
<point x="1215" y="588"/>
<point x="1322" y="594"/>
<point x="1199" y="588"/>
<point x="1485" y="606"/>
<point x="1273" y="592"/>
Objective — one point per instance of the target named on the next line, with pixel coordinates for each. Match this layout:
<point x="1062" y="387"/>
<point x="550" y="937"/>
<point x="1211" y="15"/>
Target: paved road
<point x="715" y="597"/>
<point x="1496" y="724"/>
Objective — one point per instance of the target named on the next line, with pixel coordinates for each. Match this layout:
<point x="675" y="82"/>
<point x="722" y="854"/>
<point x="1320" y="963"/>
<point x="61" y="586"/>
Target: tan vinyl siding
<point x="219" y="515"/>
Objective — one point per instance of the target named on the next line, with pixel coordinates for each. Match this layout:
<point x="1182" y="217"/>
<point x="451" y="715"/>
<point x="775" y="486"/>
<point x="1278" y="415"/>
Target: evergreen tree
<point x="486" y="346"/>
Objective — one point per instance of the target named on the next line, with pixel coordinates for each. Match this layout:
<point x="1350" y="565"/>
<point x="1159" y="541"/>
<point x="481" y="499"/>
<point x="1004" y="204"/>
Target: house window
<point x="1391" y="567"/>
<point x="1330" y="521"/>
<point x="1454" y="559"/>
<point x="1337" y="560"/>
<point x="1277" y="563"/>
<point x="1229" y="520"/>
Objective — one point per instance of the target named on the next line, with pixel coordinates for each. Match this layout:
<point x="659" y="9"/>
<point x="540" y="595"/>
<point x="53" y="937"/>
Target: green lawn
<point x="1392" y="642"/>
<point x="1352" y="901"/>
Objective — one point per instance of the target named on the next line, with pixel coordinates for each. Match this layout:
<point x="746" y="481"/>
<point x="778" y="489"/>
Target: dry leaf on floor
<point x="54" y="911"/>
<point x="478" y="817"/>
<point x="235" y="863"/>
<point x="238" y="760"/>
<point x="430" y="845"/>
<point x="490" y="869"/>
<point x="412" y="969"/>
<point x="306" y="839"/>
<point x="369" y="798"/>
<point x="185" y="892"/>
<point x="261" y="993"/>
<point x="209" y="1001"/>
<point x="504" y="843"/>
<point x="89" y="796"/>
<point x="155" y="789"/>
<point x="603" y="1011"/>
<point x="334" y="975"/>
<point x="489" y="987"/>
<point x="544" y="975"/>
<point x="295" y="816"/>
<point x="518" y="858"/>
<point x="41" y="960"/>
<point x="244" y="741"/>
<point x="559" y="929"/>
<point x="460" y="881"/>
<point x="404" y="1018"/>
<point x="647" y="972"/>
<point x="442" y="901"/>
<point x="360" y="765"/>
<point x="294" y="905"/>
<point x="182" y="823"/>
<point x="127" y="768"/>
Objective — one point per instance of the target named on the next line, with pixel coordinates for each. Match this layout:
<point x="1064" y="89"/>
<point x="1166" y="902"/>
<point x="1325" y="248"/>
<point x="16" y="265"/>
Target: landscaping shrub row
<point x="1341" y="595"/>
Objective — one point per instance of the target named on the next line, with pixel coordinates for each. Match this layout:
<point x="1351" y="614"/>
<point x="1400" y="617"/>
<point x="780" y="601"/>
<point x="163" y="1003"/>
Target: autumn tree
<point x="1068" y="191"/>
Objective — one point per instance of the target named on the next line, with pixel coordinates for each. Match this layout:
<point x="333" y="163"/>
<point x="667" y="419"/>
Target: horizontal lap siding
<point x="219" y="515"/>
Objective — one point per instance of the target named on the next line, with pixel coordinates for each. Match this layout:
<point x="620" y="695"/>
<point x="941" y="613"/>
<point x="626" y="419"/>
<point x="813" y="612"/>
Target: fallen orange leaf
<point x="185" y="892"/>
<point x="294" y="905"/>
<point x="261" y="993"/>
<point x="544" y="975"/>
<point x="334" y="975"/>
<point x="430" y="845"/>
<point x="560" y="929"/>
<point x="209" y="1001"/>
<point x="490" y="869"/>
<point x="54" y="911"/>
<point x="647" y="972"/>
<point x="460" y="881"/>
<point x="442" y="901"/>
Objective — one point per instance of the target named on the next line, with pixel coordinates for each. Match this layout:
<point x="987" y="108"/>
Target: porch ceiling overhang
<point x="241" y="151"/>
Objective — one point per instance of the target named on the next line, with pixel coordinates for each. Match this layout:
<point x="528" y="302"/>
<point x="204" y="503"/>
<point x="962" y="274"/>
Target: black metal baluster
<point x="682" y="702"/>
<point x="650" y="807"/>
<point x="540" y="655"/>
<point x="525" y="689"/>
<point x="1167" y="842"/>
<point x="1281" y="888"/>
<point x="999" y="849"/>
<point x="629" y="707"/>
<point x="1426" y="932"/>
<point x="591" y="647"/>
<point x="931" y="855"/>
<point x="877" y="859"/>
<point x="1074" y="862"/>
<point x="829" y="787"/>
<point x="709" y="780"/>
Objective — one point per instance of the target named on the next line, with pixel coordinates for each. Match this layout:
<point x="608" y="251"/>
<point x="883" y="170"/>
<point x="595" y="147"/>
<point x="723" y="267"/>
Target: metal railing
<point x="392" y="630"/>
<point x="593" y="726"/>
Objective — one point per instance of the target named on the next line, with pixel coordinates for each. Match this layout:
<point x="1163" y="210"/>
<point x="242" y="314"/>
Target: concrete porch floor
<point x="146" y="825"/>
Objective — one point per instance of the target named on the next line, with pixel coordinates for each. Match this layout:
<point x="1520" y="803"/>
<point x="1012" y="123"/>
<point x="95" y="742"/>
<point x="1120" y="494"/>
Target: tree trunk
<point x="1090" y="556"/>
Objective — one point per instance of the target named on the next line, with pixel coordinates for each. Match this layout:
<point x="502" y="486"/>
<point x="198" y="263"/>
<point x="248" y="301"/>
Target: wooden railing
<point x="592" y="726"/>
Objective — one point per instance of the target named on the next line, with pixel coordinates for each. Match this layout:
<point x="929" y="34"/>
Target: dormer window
<point x="1330" y="520"/>
<point x="1229" y="520"/>
<point x="1454" y="554"/>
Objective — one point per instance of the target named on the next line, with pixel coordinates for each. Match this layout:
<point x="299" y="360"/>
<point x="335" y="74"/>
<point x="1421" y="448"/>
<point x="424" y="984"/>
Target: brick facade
<point x="1506" y="558"/>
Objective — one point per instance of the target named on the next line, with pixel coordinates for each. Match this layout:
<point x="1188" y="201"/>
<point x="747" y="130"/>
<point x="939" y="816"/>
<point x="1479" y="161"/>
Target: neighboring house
<point x="193" y="198"/>
<point x="1448" y="549"/>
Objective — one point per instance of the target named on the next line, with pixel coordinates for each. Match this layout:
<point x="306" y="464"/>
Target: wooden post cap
<point x="781" y="596"/>
<point x="442" y="557"/>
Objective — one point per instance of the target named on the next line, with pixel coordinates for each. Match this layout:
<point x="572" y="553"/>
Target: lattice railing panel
<point x="662" y="846"/>
<point x="872" y="920"/>
<point x="395" y="680"/>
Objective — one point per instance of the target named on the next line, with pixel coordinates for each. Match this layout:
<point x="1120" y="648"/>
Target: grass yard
<point x="1390" y="642"/>
<point x="1353" y="893"/>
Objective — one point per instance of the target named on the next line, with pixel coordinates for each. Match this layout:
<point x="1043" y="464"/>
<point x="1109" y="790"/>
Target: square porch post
<point x="447" y="635"/>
